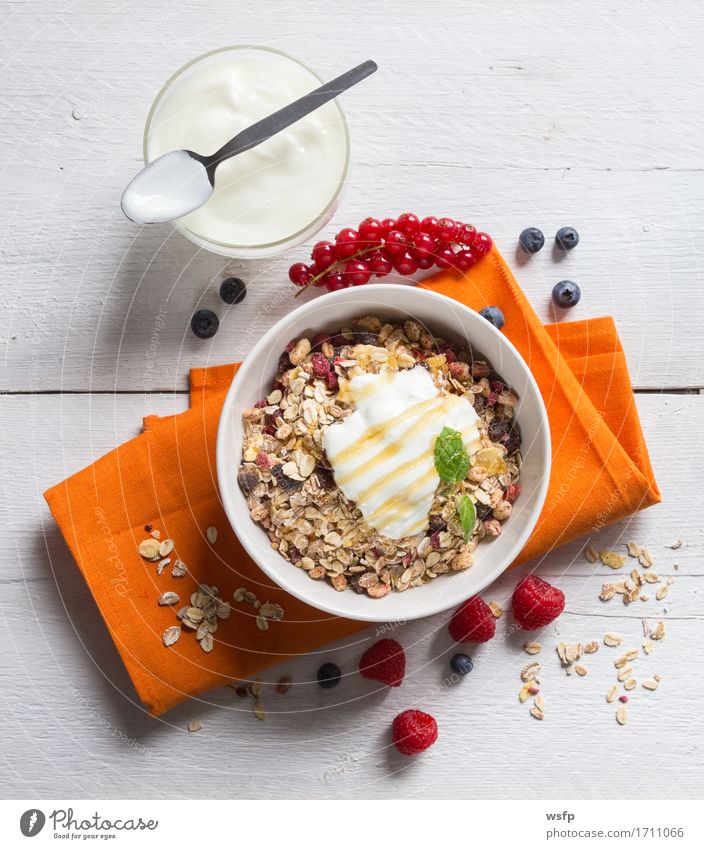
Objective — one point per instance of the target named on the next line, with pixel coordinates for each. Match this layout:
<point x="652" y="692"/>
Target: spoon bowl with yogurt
<point x="181" y="181"/>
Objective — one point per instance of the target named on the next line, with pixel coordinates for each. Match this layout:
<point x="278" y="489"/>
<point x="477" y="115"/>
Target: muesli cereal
<point x="291" y="489"/>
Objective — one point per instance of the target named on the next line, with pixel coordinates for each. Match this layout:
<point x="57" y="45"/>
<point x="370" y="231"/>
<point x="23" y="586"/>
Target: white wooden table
<point x="510" y="115"/>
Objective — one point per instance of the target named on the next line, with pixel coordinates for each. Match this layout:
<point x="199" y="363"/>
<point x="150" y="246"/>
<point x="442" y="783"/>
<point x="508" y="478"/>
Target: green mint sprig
<point x="468" y="515"/>
<point x="451" y="457"/>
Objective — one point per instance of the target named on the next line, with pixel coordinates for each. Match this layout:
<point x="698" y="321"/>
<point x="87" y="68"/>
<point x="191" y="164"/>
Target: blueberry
<point x="567" y="238"/>
<point x="461" y="664"/>
<point x="329" y="675"/>
<point x="205" y="324"/>
<point x="493" y="315"/>
<point x="566" y="294"/>
<point x="531" y="240"/>
<point x="233" y="290"/>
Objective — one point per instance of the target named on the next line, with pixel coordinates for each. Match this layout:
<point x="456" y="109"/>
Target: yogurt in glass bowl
<point x="276" y="195"/>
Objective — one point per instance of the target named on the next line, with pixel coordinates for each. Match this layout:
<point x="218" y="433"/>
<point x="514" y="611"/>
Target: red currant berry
<point x="423" y="244"/>
<point x="429" y="225"/>
<point x="323" y="254"/>
<point x="405" y="264"/>
<point x="408" y="223"/>
<point x="319" y="280"/>
<point x="346" y="243"/>
<point x="335" y="281"/>
<point x="483" y="243"/>
<point x="395" y="244"/>
<point x="447" y="230"/>
<point x="299" y="274"/>
<point x="370" y="231"/>
<point x="387" y="225"/>
<point x="423" y="262"/>
<point x="357" y="272"/>
<point x="444" y="256"/>
<point x="380" y="265"/>
<point x="465" y="259"/>
<point x="467" y="234"/>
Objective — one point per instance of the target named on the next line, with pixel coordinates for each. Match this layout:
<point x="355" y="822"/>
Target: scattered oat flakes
<point x="630" y="684"/>
<point x="167" y="599"/>
<point x="536" y="712"/>
<point x="194" y="726"/>
<point x="530" y="672"/>
<point x="580" y="670"/>
<point x="612" y="559"/>
<point x="171" y="635"/>
<point x="532" y="648"/>
<point x="591" y="647"/>
<point x="645" y="558"/>
<point x="259" y="711"/>
<point x="155" y="534"/>
<point x="676" y="544"/>
<point x="179" y="569"/>
<point x="166" y="547"/>
<point x="622" y="716"/>
<point x="661" y="592"/>
<point x="569" y="654"/>
<point x="658" y="632"/>
<point x="633" y="549"/>
<point x="625" y="658"/>
<point x="650" y="684"/>
<point x="612" y="640"/>
<point x="212" y="534"/>
<point x="590" y="554"/>
<point x="652" y="578"/>
<point x="207" y="642"/>
<point x="625" y="673"/>
<point x="611" y="693"/>
<point x="647" y="646"/>
<point x="496" y="609"/>
<point x="262" y="623"/>
<point x="524" y="692"/>
<point x="607" y="592"/>
<point x="149" y="549"/>
<point x="256" y="688"/>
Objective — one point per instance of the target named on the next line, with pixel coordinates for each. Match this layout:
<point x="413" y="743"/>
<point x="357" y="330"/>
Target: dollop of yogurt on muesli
<point x="382" y="455"/>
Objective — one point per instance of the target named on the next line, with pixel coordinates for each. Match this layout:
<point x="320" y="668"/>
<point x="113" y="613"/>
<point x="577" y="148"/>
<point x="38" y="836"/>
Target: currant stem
<point x="337" y="265"/>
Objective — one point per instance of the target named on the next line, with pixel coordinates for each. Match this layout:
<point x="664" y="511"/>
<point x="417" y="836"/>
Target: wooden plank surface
<point x="539" y="124"/>
<point x="68" y="702"/>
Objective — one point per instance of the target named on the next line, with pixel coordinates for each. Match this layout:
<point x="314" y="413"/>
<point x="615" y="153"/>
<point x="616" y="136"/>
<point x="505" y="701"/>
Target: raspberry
<point x="385" y="661"/>
<point x="321" y="366"/>
<point x="472" y="622"/>
<point x="536" y="603"/>
<point x="414" y="731"/>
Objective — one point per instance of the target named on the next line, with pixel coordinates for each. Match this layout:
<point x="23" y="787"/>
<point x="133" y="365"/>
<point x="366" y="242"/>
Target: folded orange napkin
<point x="166" y="478"/>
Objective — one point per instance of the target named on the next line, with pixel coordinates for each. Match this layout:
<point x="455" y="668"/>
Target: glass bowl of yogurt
<point x="281" y="192"/>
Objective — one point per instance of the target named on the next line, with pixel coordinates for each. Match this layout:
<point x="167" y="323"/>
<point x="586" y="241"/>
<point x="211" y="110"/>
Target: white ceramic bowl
<point x="446" y="318"/>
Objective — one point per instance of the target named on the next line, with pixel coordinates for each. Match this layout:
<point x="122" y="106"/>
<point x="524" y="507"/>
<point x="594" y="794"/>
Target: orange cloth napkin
<point x="166" y="478"/>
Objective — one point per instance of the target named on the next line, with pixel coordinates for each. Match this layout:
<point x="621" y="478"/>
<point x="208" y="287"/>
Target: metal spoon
<point x="182" y="180"/>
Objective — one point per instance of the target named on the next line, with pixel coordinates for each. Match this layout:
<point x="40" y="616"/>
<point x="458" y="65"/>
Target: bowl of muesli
<point x="383" y="453"/>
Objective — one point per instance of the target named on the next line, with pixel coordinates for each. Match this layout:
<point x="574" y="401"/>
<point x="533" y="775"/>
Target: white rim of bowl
<point x="439" y="607"/>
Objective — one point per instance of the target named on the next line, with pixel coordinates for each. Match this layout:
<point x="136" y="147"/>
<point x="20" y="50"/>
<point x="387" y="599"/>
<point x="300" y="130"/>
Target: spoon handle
<point x="279" y="120"/>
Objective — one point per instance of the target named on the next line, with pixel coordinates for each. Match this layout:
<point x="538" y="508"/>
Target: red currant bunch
<point x="379" y="246"/>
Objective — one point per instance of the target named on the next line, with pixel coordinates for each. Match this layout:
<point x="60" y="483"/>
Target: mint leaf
<point x="467" y="514"/>
<point x="451" y="459"/>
